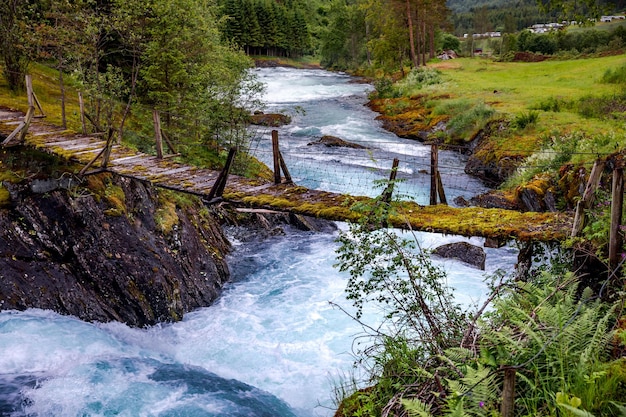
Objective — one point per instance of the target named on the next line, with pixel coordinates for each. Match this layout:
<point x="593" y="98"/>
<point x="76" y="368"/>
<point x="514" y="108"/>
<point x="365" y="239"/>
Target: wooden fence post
<point x="157" y="133"/>
<point x="617" y="202"/>
<point x="440" y="190"/>
<point x="436" y="185"/>
<point x="81" y="104"/>
<point x="283" y="166"/>
<point x="434" y="166"/>
<point x="107" y="149"/>
<point x="386" y="195"/>
<point x="276" y="154"/>
<point x="220" y="182"/>
<point x="32" y="97"/>
<point x="587" y="198"/>
<point x="29" y="91"/>
<point x="508" y="393"/>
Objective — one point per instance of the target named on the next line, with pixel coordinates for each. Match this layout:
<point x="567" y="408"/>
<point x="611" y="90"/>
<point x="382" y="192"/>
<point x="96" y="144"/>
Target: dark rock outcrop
<point x="258" y="225"/>
<point x="484" y="162"/>
<point x="61" y="251"/>
<point x="464" y="252"/>
<point x="333" y="141"/>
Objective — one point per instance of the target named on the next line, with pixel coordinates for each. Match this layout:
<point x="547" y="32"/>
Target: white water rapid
<point x="271" y="345"/>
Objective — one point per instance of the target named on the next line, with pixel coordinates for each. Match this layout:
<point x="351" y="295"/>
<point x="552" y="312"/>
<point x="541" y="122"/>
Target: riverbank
<point x="505" y="115"/>
<point x="273" y="62"/>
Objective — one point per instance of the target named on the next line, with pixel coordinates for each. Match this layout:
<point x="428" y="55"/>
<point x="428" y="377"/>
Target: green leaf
<point x="416" y="408"/>
<point x="575" y="411"/>
<point x="620" y="407"/>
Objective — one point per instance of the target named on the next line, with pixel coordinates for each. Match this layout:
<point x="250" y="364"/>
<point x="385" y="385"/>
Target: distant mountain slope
<point x="479" y="16"/>
<point x="462" y="6"/>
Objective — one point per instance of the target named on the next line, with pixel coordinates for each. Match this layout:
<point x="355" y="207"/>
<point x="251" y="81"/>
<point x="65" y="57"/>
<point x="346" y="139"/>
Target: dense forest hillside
<point x="480" y="16"/>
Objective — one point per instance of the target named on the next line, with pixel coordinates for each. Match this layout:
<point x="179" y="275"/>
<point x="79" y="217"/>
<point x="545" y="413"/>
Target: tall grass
<point x="466" y="118"/>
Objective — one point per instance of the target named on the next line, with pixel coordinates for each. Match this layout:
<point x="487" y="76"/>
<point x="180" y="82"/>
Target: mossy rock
<point x="270" y="119"/>
<point x="5" y="198"/>
<point x="334" y="141"/>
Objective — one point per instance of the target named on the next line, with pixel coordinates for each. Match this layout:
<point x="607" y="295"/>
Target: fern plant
<point x="558" y="340"/>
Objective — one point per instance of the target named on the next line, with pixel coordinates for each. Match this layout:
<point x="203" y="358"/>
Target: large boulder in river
<point x="464" y="252"/>
<point x="270" y="119"/>
<point x="333" y="141"/>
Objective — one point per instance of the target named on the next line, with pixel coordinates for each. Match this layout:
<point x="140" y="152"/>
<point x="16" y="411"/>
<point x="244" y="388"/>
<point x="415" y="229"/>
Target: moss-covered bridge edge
<point x="500" y="224"/>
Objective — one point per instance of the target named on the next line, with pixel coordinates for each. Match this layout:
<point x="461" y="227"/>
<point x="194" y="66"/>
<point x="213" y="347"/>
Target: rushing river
<point x="272" y="345"/>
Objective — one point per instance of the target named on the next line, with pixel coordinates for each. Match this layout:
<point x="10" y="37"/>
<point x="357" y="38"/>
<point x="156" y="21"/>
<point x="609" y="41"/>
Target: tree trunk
<point x="431" y="39"/>
<point x="414" y="58"/>
<point x="133" y="84"/>
<point x="367" y="38"/>
<point x="62" y="87"/>
<point x="424" y="41"/>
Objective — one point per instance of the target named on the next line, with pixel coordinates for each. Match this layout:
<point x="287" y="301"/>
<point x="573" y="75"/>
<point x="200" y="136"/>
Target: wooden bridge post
<point x="29" y="91"/>
<point x="617" y="202"/>
<point x="220" y="182"/>
<point x="105" y="153"/>
<point x="107" y="149"/>
<point x="279" y="162"/>
<point x="32" y="97"/>
<point x="587" y="198"/>
<point x="440" y="191"/>
<point x="436" y="185"/>
<point x="21" y="130"/>
<point x="157" y="133"/>
<point x="283" y="166"/>
<point x="81" y="104"/>
<point x="387" y="193"/>
<point x="276" y="154"/>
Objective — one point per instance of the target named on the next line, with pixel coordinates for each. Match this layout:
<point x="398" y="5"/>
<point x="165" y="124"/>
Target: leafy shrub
<point x="614" y="76"/>
<point x="384" y="88"/>
<point x="419" y="78"/>
<point x="549" y="104"/>
<point x="464" y="124"/>
<point x="610" y="106"/>
<point x="449" y="107"/>
<point x="449" y="41"/>
<point x="544" y="44"/>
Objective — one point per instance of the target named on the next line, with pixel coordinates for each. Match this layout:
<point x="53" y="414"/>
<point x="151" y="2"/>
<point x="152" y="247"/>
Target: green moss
<point x="5" y="198"/>
<point x="115" y="197"/>
<point x="473" y="221"/>
<point x="166" y="216"/>
<point x="140" y="298"/>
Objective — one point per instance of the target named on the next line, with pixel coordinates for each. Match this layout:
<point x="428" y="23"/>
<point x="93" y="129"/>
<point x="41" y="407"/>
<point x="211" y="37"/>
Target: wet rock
<point x="61" y="251"/>
<point x="494" y="199"/>
<point x="258" y="225"/>
<point x="270" y="119"/>
<point x="333" y="141"/>
<point x="464" y="252"/>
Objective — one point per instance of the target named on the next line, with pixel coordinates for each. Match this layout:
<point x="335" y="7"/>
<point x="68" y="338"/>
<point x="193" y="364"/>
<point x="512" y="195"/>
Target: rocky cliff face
<point x="115" y="250"/>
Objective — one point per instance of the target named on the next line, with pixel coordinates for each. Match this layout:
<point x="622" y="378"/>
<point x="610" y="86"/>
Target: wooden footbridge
<point x="279" y="195"/>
